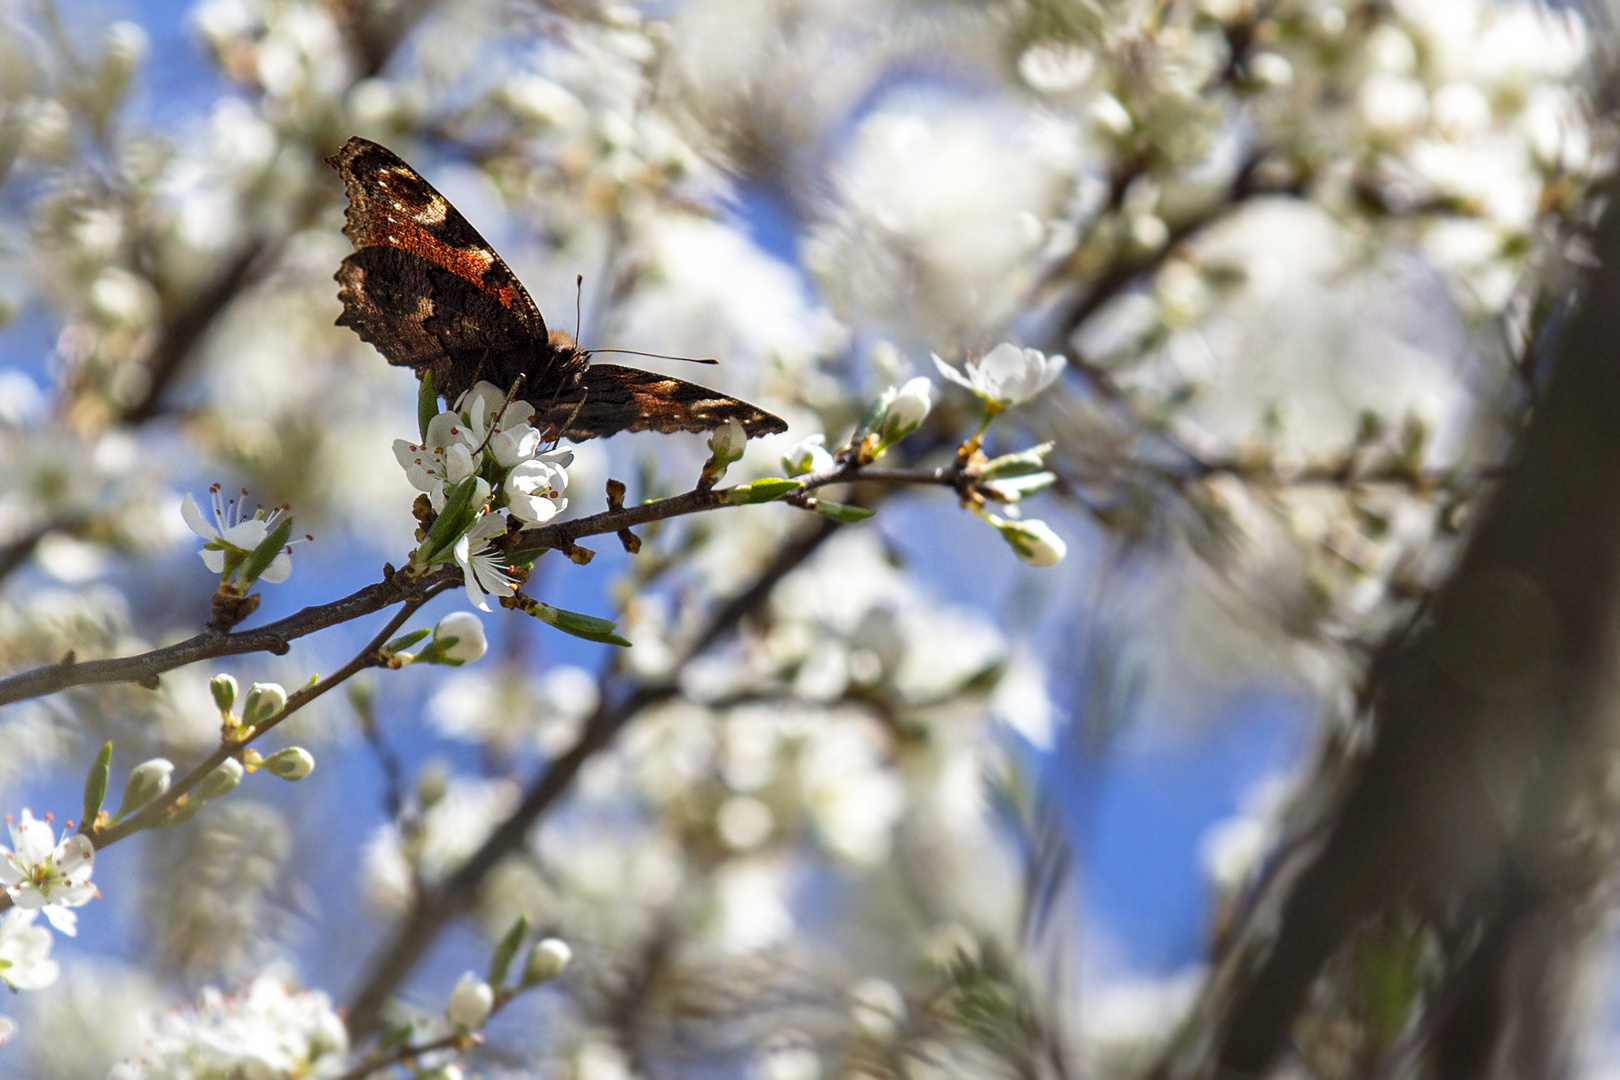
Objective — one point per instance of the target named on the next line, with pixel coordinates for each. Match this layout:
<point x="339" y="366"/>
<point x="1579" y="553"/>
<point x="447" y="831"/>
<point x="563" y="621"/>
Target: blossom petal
<point x="954" y="375"/>
<point x="475" y="595"/>
<point x="279" y="569"/>
<point x="195" y="520"/>
<point x="75" y="852"/>
<point x="214" y="559"/>
<point x="65" y="920"/>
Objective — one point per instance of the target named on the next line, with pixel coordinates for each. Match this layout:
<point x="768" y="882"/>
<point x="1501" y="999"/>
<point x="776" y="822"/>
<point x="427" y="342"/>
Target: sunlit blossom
<point x="1006" y="375"/>
<point x="25" y="952"/>
<point x="484" y="568"/>
<point x="534" y="488"/>
<point x="267" y="1029"/>
<point x="41" y="874"/>
<point x="231" y="534"/>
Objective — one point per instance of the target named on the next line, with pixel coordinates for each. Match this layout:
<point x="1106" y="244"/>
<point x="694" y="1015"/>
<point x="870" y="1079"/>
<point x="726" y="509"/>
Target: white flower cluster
<point x="39" y="874"/>
<point x="488" y="444"/>
<point x="266" y="1029"/>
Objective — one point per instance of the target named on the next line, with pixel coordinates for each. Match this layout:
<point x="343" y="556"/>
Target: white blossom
<point x="483" y="567"/>
<point x="42" y="874"/>
<point x="266" y="1030"/>
<point x="1006" y="375"/>
<point x="534" y="488"/>
<point x="232" y="534"/>
<point x="25" y="952"/>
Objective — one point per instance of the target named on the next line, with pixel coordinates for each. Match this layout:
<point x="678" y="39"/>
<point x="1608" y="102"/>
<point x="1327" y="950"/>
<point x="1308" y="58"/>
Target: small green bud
<point x="223" y="687"/>
<point x="146" y="782"/>
<point x="547" y="960"/>
<point x="264" y="700"/>
<point x="767" y="490"/>
<point x="293" y="763"/>
<point x="222" y="781"/>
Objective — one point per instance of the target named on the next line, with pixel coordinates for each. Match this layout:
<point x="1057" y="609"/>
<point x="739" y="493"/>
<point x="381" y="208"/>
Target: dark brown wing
<point x="611" y="398"/>
<point x="390" y="205"/>
<point x="422" y="316"/>
<point x="429" y="292"/>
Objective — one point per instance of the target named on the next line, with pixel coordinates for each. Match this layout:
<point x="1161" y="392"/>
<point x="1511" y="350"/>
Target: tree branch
<point x="415" y="933"/>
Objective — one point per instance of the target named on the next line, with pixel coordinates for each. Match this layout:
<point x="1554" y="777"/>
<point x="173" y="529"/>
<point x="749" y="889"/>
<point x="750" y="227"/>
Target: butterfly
<point x="432" y="295"/>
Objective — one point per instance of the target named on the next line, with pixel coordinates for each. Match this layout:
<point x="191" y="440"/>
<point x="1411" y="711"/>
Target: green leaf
<point x="265" y="553"/>
<point x="842" y="511"/>
<point x="500" y="962"/>
<point x="588" y="627"/>
<point x="459" y="513"/>
<point x="95" y="784"/>
<point x="405" y="641"/>
<point x="427" y="402"/>
<point x="767" y="490"/>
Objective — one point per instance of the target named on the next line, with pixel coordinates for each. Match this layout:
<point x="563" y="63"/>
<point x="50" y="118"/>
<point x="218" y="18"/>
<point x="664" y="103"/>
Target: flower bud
<point x="293" y="763"/>
<point x="470" y="1003"/>
<point x="146" y="782"/>
<point x="459" y="639"/>
<point x="1033" y="541"/>
<point x="807" y="456"/>
<point x="727" y="443"/>
<point x="908" y="410"/>
<point x="223" y="687"/>
<point x="264" y="700"/>
<point x="221" y="781"/>
<point x="548" y="959"/>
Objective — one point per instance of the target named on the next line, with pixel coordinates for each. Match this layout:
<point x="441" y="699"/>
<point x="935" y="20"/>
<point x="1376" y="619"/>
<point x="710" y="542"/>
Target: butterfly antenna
<point x="659" y="355"/>
<point x="579" y="292"/>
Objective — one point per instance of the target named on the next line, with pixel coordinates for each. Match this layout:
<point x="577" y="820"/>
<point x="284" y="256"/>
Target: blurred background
<point x="878" y="800"/>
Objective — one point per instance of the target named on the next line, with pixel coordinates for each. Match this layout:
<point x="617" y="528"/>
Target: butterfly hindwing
<point x="426" y="289"/>
<point x="611" y="398"/>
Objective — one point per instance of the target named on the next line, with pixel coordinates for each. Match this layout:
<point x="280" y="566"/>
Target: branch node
<point x="69" y="658"/>
<point x="631" y="542"/>
<point x="615" y="494"/>
<point x="149" y="681"/>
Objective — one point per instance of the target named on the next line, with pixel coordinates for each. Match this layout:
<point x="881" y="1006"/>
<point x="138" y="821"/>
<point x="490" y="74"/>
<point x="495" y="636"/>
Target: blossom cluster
<point x="485" y="448"/>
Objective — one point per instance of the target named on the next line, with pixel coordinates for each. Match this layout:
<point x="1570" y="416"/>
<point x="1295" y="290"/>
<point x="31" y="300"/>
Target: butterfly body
<point x="431" y="294"/>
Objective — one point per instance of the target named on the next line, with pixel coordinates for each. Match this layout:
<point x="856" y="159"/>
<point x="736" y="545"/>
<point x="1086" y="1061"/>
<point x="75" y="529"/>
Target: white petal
<point x="74" y="852"/>
<point x="475" y="595"/>
<point x="29" y="898"/>
<point x="65" y="921"/>
<point x="278" y="570"/>
<point x="34" y="840"/>
<point x="246" y="534"/>
<point x="214" y="560"/>
<point x="195" y="520"/>
<point x="458" y="462"/>
<point x="952" y="374"/>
